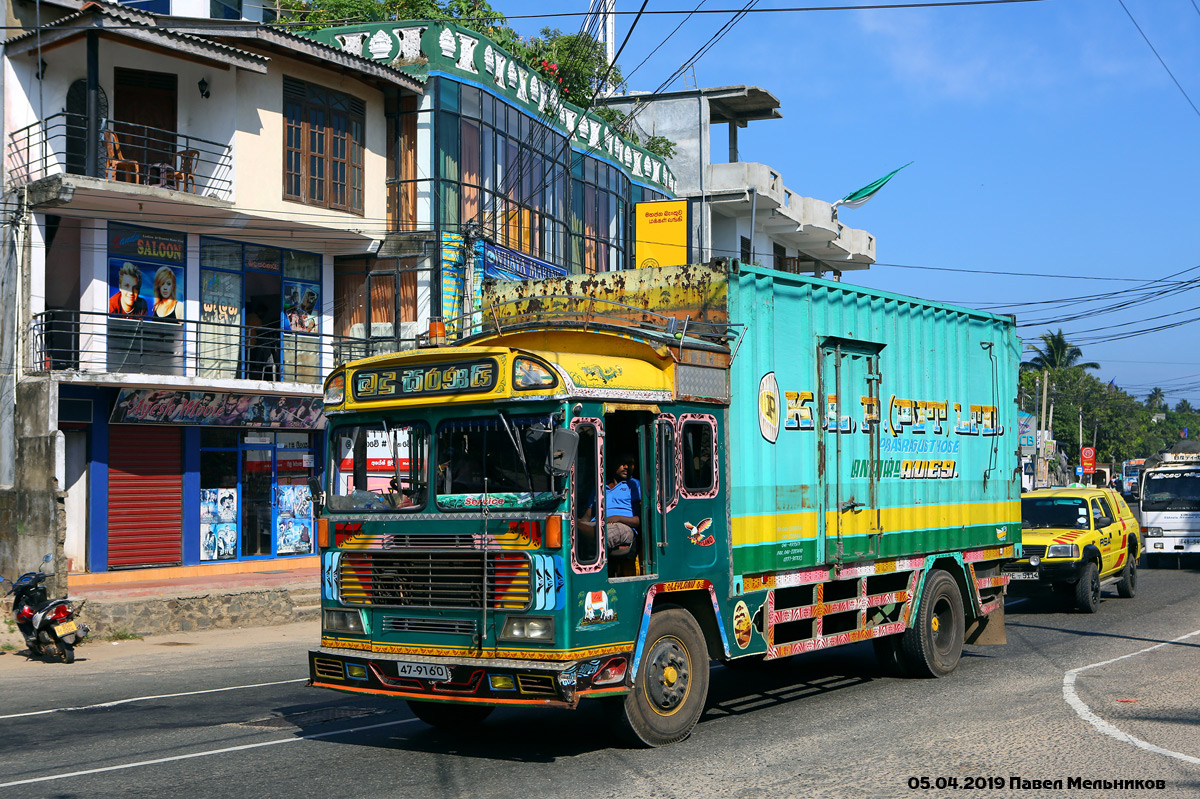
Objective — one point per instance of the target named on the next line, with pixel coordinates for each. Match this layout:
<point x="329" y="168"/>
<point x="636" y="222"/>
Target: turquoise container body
<point x="866" y="425"/>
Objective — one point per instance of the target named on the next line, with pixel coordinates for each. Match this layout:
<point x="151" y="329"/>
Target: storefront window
<point x="255" y="501"/>
<point x="260" y="307"/>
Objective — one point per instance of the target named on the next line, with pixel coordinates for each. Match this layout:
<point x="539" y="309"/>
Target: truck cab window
<point x="584" y="498"/>
<point x="698" y="457"/>
<point x="378" y="466"/>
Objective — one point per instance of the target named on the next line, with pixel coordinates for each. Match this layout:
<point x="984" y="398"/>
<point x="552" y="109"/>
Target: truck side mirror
<point x="318" y="495"/>
<point x="563" y="445"/>
<point x="1102" y="522"/>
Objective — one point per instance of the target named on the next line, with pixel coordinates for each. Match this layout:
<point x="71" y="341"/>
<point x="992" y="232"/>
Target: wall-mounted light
<point x="203" y="87"/>
<point x="41" y="72"/>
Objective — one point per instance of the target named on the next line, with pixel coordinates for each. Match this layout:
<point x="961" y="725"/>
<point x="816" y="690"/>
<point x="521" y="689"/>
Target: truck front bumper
<point x="490" y="681"/>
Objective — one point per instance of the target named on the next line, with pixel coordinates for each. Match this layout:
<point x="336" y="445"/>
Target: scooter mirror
<point x="48" y="569"/>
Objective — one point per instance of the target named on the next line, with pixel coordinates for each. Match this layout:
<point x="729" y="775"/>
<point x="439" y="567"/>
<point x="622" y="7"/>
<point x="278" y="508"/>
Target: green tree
<point x="1156" y="399"/>
<point x="1056" y="352"/>
<point x="575" y="61"/>
<point x="1183" y="406"/>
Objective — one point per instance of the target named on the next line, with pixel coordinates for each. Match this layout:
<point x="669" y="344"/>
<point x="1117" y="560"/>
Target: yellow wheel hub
<point x="933" y="624"/>
<point x="670" y="675"/>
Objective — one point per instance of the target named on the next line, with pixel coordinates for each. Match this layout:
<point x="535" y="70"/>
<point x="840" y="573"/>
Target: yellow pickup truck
<point x="1076" y="540"/>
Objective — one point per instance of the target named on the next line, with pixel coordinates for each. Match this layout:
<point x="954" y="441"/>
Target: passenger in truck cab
<point x="622" y="509"/>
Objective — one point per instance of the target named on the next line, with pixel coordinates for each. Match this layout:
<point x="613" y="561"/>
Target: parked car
<point x="1076" y="540"/>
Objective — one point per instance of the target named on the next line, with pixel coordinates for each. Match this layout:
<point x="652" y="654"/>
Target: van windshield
<point x="1171" y="490"/>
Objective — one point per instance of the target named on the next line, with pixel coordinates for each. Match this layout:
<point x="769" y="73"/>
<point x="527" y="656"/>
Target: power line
<point x="1160" y="58"/>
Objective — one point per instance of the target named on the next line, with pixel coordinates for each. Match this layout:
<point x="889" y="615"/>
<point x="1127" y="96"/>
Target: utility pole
<point x="1042" y="427"/>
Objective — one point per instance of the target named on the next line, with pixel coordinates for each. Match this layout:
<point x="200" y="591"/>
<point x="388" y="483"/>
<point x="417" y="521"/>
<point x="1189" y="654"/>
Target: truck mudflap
<point x="488" y="681"/>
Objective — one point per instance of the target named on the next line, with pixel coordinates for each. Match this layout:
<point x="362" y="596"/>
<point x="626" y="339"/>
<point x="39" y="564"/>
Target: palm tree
<point x="1156" y="399"/>
<point x="1056" y="353"/>
<point x="1183" y="406"/>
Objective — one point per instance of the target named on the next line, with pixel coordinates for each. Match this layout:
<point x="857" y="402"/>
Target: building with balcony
<point x="741" y="209"/>
<point x="179" y="203"/>
<point x="203" y="216"/>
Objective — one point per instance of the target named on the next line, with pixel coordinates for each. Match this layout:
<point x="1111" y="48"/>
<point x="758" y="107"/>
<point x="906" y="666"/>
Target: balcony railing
<point x="97" y="343"/>
<point x="128" y="153"/>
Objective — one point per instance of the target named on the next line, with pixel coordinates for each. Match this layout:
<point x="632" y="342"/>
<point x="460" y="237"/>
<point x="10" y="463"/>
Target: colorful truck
<point x="809" y="464"/>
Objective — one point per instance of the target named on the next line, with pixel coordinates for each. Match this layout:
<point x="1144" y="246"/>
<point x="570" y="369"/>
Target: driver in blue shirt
<point x="622" y="508"/>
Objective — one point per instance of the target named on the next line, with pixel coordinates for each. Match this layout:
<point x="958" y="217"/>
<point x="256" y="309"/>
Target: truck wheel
<point x="671" y="685"/>
<point x="933" y="645"/>
<point x="1127" y="588"/>
<point x="1087" y="590"/>
<point x="445" y="716"/>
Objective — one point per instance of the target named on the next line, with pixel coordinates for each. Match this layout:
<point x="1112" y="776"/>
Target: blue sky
<point x="1049" y="143"/>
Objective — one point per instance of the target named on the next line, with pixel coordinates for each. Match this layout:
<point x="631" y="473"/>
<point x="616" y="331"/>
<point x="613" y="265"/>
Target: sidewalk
<point x="188" y="599"/>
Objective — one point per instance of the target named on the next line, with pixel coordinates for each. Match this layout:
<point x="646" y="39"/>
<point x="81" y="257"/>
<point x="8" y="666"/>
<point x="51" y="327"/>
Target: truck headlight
<point x="528" y="628"/>
<point x="1149" y="531"/>
<point x="1062" y="551"/>
<point x="343" y="621"/>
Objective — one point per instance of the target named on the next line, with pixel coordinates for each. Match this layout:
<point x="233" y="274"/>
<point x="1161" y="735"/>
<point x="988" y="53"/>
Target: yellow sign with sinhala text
<point x="661" y="233"/>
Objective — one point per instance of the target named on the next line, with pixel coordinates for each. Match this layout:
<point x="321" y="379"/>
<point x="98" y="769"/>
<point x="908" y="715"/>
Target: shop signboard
<point x="217" y="409"/>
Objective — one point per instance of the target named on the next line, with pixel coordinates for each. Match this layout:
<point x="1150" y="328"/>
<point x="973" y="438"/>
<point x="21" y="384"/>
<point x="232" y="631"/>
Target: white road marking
<point x="147" y="698"/>
<point x="1105" y="727"/>
<point x="207" y="753"/>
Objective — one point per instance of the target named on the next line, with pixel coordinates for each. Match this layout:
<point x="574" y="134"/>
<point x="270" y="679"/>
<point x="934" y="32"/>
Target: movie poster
<point x="218" y="523"/>
<point x="293" y="520"/>
<point x="301" y="307"/>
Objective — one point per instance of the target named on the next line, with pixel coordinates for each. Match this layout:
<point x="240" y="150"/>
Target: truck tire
<point x="445" y="716"/>
<point x="1087" y="590"/>
<point x="671" y="684"/>
<point x="1127" y="588"/>
<point x="933" y="645"/>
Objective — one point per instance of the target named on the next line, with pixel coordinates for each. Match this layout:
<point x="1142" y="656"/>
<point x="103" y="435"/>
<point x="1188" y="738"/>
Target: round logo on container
<point x="741" y="625"/>
<point x="768" y="407"/>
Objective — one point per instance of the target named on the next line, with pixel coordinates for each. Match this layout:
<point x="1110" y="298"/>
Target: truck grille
<point x="400" y="624"/>
<point x="1033" y="550"/>
<point x="436" y="580"/>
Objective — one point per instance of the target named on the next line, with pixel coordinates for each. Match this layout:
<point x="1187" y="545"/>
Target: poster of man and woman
<point x="143" y="290"/>
<point x="218" y="523"/>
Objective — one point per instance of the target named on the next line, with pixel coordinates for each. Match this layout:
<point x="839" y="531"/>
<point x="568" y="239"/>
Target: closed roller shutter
<point x="145" y="496"/>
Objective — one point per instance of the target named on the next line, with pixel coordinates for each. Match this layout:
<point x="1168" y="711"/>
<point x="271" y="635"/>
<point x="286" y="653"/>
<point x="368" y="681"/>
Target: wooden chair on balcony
<point x="116" y="165"/>
<point x="185" y="175"/>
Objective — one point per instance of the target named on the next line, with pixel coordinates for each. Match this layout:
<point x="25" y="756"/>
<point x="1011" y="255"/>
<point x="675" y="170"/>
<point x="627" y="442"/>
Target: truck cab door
<point x="849" y="449"/>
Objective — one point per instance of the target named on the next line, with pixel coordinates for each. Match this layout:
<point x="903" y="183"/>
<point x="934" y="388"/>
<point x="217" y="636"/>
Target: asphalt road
<point x="1097" y="697"/>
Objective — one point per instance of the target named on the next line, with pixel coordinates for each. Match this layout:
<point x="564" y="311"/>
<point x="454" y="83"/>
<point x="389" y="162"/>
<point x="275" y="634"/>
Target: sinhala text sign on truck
<point x="618" y="478"/>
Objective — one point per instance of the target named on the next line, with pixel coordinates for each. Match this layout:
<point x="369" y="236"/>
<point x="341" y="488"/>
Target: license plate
<point x="1021" y="575"/>
<point x="65" y="628"/>
<point x="425" y="671"/>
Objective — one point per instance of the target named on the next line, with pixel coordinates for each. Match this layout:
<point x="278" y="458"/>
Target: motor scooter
<point x="48" y="625"/>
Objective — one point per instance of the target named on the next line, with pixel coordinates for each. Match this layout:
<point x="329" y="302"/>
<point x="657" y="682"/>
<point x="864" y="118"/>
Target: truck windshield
<point x="379" y="467"/>
<point x="497" y="461"/>
<point x="1060" y="512"/>
<point x="1171" y="491"/>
